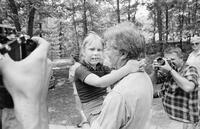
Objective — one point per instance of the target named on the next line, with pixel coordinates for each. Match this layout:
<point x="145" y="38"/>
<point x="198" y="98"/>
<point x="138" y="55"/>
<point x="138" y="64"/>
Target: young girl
<point x="92" y="77"/>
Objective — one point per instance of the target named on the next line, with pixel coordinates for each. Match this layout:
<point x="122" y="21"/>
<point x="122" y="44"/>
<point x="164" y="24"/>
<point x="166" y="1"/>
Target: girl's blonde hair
<point x="90" y="38"/>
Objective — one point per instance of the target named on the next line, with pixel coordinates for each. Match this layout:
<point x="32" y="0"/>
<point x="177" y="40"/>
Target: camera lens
<point x="160" y="61"/>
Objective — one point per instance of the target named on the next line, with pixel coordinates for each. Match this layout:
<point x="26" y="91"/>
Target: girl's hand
<point x="134" y="65"/>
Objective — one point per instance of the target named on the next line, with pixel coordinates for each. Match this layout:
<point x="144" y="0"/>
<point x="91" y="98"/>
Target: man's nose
<point x="106" y="51"/>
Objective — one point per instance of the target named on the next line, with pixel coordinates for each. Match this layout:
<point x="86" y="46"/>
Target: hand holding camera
<point x="163" y="66"/>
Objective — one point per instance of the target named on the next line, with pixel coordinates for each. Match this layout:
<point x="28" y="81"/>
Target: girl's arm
<point x="114" y="76"/>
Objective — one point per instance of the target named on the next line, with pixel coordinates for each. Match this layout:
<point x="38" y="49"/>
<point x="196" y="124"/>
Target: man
<point x="27" y="82"/>
<point x="128" y="105"/>
<point x="194" y="57"/>
<point x="180" y="89"/>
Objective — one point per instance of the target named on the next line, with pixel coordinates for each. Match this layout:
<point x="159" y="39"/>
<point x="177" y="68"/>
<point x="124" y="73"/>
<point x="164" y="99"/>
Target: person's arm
<point x="153" y="77"/>
<point x="114" y="76"/>
<point x="183" y="82"/>
<point x="187" y="82"/>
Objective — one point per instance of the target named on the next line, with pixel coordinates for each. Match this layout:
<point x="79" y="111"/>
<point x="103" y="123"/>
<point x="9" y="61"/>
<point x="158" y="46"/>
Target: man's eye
<point x="92" y="49"/>
<point x="114" y="47"/>
<point x="99" y="50"/>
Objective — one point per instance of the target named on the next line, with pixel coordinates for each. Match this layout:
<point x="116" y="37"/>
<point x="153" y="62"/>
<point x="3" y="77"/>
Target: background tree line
<point x="170" y="20"/>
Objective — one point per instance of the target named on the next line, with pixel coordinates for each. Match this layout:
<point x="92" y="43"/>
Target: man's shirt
<point x="178" y="104"/>
<point x="128" y="105"/>
<point x="194" y="60"/>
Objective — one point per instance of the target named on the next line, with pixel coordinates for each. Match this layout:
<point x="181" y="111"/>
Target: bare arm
<point x="153" y="77"/>
<point x="182" y="82"/>
<point x="114" y="76"/>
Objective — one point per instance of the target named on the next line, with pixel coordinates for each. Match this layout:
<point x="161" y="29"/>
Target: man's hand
<point x="166" y="66"/>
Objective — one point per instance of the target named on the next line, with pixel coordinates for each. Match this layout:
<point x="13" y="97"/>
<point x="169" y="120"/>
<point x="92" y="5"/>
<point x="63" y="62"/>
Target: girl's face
<point x="93" y="53"/>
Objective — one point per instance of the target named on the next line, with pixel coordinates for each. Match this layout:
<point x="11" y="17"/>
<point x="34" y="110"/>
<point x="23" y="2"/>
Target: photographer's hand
<point x="166" y="66"/>
<point x="155" y="65"/>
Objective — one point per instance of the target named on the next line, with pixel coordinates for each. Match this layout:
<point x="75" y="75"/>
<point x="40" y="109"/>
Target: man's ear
<point x="123" y="55"/>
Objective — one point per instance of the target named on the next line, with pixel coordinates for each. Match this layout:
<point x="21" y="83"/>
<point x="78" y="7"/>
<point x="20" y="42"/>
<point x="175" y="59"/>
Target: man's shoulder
<point x="189" y="67"/>
<point x="133" y="80"/>
<point x="136" y="75"/>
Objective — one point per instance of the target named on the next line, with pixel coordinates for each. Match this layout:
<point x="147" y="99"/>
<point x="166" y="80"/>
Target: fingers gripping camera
<point x="163" y="74"/>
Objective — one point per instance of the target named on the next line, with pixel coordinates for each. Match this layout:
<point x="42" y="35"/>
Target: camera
<point x="161" y="74"/>
<point x="161" y="62"/>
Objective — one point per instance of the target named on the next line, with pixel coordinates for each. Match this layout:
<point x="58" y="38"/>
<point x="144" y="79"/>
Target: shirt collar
<point x="87" y="65"/>
<point x="198" y="53"/>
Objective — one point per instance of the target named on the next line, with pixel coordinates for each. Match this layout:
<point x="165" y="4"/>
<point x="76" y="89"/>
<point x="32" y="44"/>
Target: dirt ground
<point x="61" y="102"/>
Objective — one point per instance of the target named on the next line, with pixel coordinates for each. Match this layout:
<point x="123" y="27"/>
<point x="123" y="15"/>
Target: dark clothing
<point x="5" y="97"/>
<point x="87" y="92"/>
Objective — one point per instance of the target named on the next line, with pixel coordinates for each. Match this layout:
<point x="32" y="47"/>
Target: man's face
<point x="174" y="58"/>
<point x="195" y="45"/>
<point x="113" y="53"/>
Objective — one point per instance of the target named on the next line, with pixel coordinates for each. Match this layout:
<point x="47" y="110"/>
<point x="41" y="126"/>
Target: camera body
<point x="161" y="62"/>
<point x="164" y="75"/>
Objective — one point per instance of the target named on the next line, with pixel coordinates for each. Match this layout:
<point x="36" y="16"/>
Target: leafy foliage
<point x="175" y="20"/>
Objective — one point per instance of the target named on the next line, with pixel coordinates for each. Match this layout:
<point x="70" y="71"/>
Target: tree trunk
<point x="167" y="22"/>
<point x="181" y="26"/>
<point x="159" y="23"/>
<point x="85" y="30"/>
<point x="15" y="16"/>
<point x="31" y="22"/>
<point x="91" y="23"/>
<point x="194" y="17"/>
<point x="154" y="26"/>
<point x="129" y="7"/>
<point x="118" y="12"/>
<point x="76" y="33"/>
<point x="1" y="13"/>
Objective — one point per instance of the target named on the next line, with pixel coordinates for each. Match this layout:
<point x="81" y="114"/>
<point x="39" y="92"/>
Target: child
<point x="90" y="81"/>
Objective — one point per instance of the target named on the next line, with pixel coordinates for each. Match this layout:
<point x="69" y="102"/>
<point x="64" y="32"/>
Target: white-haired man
<point x="128" y="105"/>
